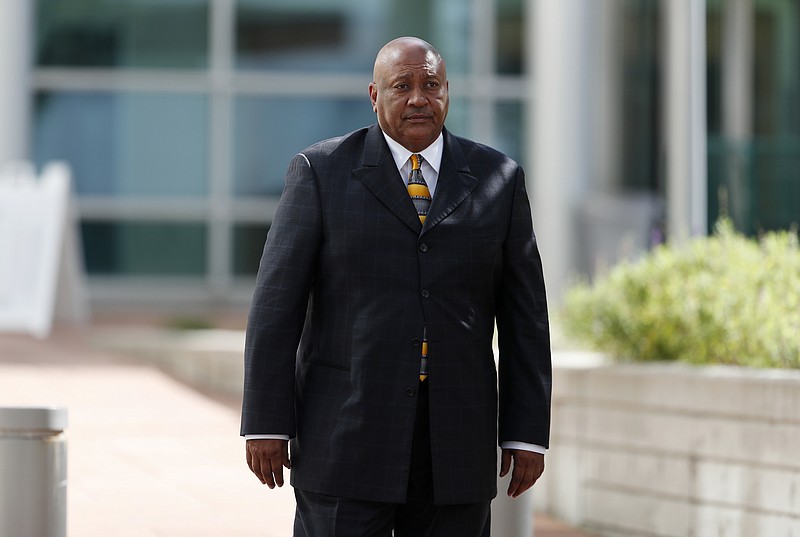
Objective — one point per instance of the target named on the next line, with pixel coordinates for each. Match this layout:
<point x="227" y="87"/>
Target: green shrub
<point x="189" y="322"/>
<point x="723" y="299"/>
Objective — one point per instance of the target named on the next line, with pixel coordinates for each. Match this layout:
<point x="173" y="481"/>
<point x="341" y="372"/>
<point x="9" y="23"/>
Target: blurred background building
<point x="635" y="119"/>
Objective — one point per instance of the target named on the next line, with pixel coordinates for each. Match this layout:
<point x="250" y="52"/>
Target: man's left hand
<point x="528" y="466"/>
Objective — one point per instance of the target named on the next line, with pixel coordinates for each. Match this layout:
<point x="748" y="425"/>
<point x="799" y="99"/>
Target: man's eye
<point x="401" y="86"/>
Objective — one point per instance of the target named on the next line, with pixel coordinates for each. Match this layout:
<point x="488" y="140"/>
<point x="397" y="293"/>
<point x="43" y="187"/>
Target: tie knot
<point x="416" y="162"/>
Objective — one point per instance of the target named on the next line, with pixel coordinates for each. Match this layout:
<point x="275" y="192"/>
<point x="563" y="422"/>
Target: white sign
<point x="41" y="273"/>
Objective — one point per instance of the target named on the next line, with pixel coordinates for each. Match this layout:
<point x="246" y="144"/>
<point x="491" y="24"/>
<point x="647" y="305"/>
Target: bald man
<point x="394" y="252"/>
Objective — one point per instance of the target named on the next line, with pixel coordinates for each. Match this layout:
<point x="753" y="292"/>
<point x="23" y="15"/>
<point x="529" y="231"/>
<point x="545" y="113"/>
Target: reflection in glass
<point x="458" y="116"/>
<point x="509" y="54"/>
<point x="509" y="124"/>
<point x="248" y="242"/>
<point x="641" y="128"/>
<point x="130" y="33"/>
<point x="269" y="131"/>
<point x="141" y="249"/>
<point x="319" y="35"/>
<point x="126" y="144"/>
<point x="754" y="149"/>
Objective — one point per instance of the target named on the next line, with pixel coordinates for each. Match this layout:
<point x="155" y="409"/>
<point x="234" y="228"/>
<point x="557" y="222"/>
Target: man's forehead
<point x="405" y="66"/>
<point x="409" y="55"/>
<point x="405" y="62"/>
<point x="412" y="71"/>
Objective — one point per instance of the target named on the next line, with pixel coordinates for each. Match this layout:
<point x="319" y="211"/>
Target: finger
<point x="276" y="470"/>
<point x="505" y="462"/>
<point x="254" y="463"/>
<point x="260" y="468"/>
<point x="266" y="471"/>
<point x="531" y="467"/>
<point x="517" y="475"/>
<point x="527" y="480"/>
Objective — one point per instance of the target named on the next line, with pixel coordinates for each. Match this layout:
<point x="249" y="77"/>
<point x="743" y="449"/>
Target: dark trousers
<point x="318" y="515"/>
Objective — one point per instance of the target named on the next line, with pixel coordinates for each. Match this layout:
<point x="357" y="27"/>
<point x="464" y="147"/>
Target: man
<point x="369" y="342"/>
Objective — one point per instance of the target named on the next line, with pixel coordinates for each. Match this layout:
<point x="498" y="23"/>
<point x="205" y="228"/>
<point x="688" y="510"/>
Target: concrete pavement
<point x="148" y="455"/>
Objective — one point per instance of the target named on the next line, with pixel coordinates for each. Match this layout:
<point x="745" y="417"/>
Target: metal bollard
<point x="33" y="472"/>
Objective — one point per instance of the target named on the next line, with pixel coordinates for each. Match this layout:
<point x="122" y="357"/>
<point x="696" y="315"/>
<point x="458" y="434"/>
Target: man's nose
<point x="417" y="97"/>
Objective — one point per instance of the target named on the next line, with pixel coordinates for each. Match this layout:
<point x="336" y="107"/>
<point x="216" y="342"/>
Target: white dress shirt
<point x="431" y="164"/>
<point x="431" y="161"/>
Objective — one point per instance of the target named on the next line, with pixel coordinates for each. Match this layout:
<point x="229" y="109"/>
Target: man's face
<point x="410" y="95"/>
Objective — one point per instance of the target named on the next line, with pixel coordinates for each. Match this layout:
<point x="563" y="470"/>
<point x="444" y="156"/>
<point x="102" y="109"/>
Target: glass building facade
<point x="753" y="120"/>
<point x="754" y="167"/>
<point x="179" y="117"/>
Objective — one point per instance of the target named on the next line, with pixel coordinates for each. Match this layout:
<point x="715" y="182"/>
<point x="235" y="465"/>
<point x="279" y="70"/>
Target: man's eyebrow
<point x="405" y="75"/>
<point x="400" y="77"/>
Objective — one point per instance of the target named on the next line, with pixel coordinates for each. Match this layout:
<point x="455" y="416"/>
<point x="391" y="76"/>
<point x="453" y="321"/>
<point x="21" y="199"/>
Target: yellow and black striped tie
<point x="423" y="366"/>
<point x="421" y="196"/>
<point x="418" y="188"/>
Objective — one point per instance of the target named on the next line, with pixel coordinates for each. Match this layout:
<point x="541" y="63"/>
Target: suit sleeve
<point x="277" y="312"/>
<point x="523" y="332"/>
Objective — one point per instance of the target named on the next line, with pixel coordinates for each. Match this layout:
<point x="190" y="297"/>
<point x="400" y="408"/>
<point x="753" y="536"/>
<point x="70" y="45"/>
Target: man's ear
<point x="373" y="95"/>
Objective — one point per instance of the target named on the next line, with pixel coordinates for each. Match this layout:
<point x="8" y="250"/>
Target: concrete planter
<point x="670" y="450"/>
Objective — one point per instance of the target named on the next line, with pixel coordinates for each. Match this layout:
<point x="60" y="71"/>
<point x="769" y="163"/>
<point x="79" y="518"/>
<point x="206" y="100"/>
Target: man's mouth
<point x="418" y="117"/>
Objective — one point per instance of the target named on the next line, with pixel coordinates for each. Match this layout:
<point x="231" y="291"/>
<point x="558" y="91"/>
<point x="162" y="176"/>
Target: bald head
<point x="395" y="48"/>
<point x="409" y="92"/>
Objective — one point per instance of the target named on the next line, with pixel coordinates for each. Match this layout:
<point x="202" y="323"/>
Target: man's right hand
<point x="267" y="459"/>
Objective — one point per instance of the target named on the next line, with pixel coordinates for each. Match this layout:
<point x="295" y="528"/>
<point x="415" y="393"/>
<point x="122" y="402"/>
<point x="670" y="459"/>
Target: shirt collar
<point x="432" y="154"/>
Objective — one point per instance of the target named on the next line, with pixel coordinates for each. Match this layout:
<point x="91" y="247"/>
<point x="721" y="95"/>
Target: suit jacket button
<point x="416" y="342"/>
<point x="410" y="392"/>
<point x="425" y="293"/>
<point x="423" y="247"/>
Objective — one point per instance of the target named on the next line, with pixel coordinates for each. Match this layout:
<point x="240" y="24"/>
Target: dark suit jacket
<point x="349" y="278"/>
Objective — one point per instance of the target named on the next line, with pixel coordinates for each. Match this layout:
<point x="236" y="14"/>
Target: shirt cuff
<point x="266" y="437"/>
<point x="524" y="447"/>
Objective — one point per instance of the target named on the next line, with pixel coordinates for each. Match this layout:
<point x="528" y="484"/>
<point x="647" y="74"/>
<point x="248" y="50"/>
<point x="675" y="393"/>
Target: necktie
<point x="423" y="367"/>
<point x="418" y="188"/>
<point x="421" y="196"/>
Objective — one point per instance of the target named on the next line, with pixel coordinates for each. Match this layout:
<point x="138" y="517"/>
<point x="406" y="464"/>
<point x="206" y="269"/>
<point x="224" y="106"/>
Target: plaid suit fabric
<point x="348" y="280"/>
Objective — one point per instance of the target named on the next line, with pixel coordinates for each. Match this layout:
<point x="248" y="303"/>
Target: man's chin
<point x="420" y="136"/>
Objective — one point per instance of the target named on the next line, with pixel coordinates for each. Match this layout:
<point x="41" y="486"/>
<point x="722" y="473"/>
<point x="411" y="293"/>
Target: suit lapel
<point x="455" y="183"/>
<point x="379" y="174"/>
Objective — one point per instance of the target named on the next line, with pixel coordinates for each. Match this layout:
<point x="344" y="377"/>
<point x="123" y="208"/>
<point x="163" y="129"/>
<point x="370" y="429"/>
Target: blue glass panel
<point x="130" y="33"/>
<point x="126" y="144"/>
<point x="248" y="243"/>
<point x="510" y="36"/>
<point x="268" y="132"/>
<point x="320" y="35"/>
<point x="143" y="249"/>
<point x="509" y="127"/>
